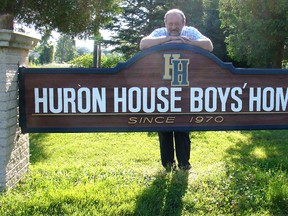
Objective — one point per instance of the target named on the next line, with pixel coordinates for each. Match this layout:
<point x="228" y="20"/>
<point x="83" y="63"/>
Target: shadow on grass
<point x="164" y="195"/>
<point x="152" y="134"/>
<point x="37" y="152"/>
<point x="258" y="172"/>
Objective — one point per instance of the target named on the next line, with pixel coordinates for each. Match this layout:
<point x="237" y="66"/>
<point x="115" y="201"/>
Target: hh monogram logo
<point x="176" y="69"/>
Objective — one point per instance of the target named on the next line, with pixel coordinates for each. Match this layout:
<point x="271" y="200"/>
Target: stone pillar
<point x="14" y="146"/>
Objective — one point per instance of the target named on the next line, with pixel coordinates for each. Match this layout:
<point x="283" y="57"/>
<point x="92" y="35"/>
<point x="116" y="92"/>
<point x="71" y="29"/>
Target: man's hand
<point x="203" y="43"/>
<point x="178" y="39"/>
<point x="153" y="41"/>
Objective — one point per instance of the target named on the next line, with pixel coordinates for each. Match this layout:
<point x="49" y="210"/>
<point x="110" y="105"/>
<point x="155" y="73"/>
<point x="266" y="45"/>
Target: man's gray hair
<point x="177" y="11"/>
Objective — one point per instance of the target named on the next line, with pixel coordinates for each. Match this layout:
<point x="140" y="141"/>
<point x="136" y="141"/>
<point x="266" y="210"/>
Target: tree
<point x="8" y="11"/>
<point x="46" y="54"/>
<point x="82" y="51"/>
<point x="45" y="50"/>
<point x="65" y="49"/>
<point x="81" y="18"/>
<point x="204" y="15"/>
<point x="257" y="31"/>
<point x="137" y="19"/>
<point x="212" y="28"/>
<point x="140" y="17"/>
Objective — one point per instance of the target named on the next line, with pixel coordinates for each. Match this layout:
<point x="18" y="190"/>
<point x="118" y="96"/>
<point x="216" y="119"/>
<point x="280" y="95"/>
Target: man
<point x="175" y="31"/>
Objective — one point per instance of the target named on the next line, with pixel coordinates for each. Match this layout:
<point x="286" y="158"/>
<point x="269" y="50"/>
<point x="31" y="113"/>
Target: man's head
<point x="174" y="21"/>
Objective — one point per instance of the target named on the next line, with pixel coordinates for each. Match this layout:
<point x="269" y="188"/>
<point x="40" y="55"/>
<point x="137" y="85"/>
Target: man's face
<point x="174" y="24"/>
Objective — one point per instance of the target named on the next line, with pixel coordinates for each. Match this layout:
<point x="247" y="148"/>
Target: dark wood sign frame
<point x="167" y="87"/>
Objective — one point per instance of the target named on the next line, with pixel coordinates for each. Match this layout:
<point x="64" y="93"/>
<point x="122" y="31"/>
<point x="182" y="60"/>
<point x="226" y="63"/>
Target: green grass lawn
<point x="234" y="173"/>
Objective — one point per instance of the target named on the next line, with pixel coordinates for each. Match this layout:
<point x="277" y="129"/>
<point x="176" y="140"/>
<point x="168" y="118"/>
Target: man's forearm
<point x="202" y="43"/>
<point x="153" y="41"/>
<point x="147" y="42"/>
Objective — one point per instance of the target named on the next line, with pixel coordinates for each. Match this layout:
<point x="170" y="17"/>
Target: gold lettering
<point x="159" y="120"/>
<point x="168" y="67"/>
<point x="206" y="119"/>
<point x="132" y="120"/>
<point x="170" y="120"/>
<point x="151" y="120"/>
<point x="146" y="119"/>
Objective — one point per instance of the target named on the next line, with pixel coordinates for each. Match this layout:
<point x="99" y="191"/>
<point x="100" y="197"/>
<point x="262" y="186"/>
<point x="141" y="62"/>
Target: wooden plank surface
<point x="218" y="97"/>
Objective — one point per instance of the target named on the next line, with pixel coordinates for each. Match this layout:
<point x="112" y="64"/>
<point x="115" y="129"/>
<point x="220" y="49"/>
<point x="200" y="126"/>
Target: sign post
<point x="167" y="87"/>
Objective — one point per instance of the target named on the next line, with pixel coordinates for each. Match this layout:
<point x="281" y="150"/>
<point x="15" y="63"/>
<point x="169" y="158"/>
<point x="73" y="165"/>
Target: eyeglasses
<point x="175" y="25"/>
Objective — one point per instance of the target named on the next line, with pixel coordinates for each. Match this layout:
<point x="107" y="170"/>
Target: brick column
<point x="14" y="146"/>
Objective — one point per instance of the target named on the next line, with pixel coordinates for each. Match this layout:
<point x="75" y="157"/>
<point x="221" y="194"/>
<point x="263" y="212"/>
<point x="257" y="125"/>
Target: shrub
<point x="107" y="61"/>
<point x="82" y="61"/>
<point x="111" y="60"/>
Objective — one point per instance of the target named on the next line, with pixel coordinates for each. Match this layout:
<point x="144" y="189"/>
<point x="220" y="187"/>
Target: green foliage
<point x="234" y="173"/>
<point x="136" y="20"/>
<point x="65" y="49"/>
<point x="256" y="31"/>
<point x="46" y="54"/>
<point x="45" y="50"/>
<point x="111" y="60"/>
<point x="107" y="61"/>
<point x="8" y="6"/>
<point x="285" y="64"/>
<point x="212" y="28"/>
<point x="77" y="17"/>
<point x="82" y="51"/>
<point x="85" y="61"/>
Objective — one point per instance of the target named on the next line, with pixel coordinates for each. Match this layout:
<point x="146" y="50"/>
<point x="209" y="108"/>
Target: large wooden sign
<point x="167" y="87"/>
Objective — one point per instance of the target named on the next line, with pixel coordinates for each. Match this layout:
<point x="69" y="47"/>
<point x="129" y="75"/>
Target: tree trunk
<point x="6" y="21"/>
<point x="97" y="55"/>
<point x="278" y="55"/>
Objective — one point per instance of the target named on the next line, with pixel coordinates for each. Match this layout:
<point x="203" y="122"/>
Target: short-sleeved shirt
<point x="187" y="31"/>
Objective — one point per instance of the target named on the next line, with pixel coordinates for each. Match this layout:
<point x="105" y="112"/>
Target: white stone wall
<point x="14" y="146"/>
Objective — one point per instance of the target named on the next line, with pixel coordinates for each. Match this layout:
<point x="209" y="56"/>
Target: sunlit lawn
<point x="234" y="173"/>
